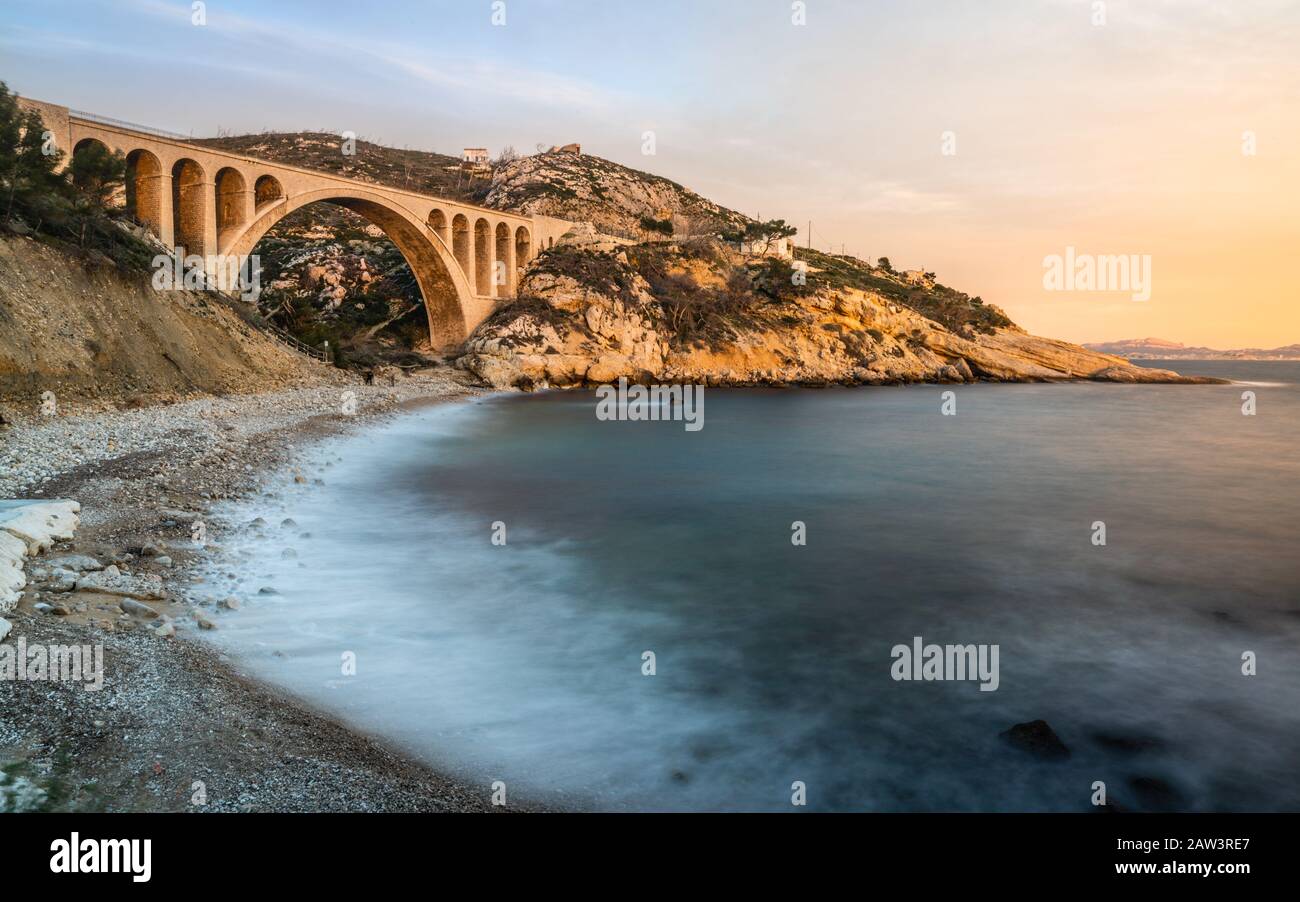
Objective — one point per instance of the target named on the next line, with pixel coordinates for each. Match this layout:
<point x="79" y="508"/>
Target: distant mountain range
<point x="1160" y="349"/>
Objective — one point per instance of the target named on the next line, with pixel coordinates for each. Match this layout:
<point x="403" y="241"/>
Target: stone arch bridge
<point x="218" y="204"/>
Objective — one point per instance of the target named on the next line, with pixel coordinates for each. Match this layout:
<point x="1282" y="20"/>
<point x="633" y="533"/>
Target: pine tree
<point x="98" y="172"/>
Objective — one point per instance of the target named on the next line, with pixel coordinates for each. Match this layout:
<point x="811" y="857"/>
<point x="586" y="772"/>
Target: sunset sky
<point x="1118" y="138"/>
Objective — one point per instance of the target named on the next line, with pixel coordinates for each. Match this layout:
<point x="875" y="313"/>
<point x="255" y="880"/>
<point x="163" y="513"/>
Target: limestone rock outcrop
<point x="588" y="317"/>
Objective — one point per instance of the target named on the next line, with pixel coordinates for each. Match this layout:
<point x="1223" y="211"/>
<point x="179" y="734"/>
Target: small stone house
<point x="777" y="247"/>
<point x="475" y="159"/>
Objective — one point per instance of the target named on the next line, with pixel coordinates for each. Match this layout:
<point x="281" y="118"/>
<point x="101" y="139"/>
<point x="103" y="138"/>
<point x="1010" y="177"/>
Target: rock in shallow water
<point x="163" y="629"/>
<point x="136" y="609"/>
<point x="1038" y="739"/>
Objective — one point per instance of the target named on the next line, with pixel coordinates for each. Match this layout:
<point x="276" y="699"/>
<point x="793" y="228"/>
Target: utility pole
<point x="810" y="234"/>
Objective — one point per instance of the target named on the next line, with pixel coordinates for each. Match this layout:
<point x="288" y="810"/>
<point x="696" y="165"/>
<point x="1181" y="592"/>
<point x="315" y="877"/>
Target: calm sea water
<point x="523" y="662"/>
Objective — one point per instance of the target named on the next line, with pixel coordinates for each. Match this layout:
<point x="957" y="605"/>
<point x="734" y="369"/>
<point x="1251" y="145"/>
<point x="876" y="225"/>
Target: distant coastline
<point x="1160" y="349"/>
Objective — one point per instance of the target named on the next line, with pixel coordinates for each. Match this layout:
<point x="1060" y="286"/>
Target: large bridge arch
<point x="452" y="308"/>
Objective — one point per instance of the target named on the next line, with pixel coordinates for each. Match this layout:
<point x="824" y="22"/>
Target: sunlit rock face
<point x="702" y="313"/>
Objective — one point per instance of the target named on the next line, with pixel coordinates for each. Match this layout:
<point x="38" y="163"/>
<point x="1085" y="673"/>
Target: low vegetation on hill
<point x="702" y="292"/>
<point x="958" y="311"/>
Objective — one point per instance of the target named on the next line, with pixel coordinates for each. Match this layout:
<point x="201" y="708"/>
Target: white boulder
<point x="29" y="527"/>
<point x="39" y="523"/>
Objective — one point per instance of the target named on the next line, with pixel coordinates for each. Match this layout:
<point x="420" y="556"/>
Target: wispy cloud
<point x="29" y="40"/>
<point x="485" y="77"/>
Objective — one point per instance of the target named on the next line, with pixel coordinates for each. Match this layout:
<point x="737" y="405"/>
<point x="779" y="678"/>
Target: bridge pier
<point x="249" y="203"/>
<point x="166" y="226"/>
<point x="471" y="262"/>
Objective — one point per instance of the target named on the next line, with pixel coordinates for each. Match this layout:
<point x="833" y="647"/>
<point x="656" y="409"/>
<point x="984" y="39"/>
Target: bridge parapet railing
<point x="133" y="126"/>
<point x="258" y="321"/>
<point x="300" y="346"/>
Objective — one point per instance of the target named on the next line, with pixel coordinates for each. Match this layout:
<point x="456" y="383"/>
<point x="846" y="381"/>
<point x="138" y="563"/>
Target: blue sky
<point x="1113" y="138"/>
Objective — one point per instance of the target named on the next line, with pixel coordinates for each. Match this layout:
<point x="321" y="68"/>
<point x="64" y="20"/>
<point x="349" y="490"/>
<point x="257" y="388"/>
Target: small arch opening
<point x="144" y="190"/>
<point x="503" y="273"/>
<point x="100" y="172"/>
<point x="189" y="206"/>
<point x="266" y="190"/>
<point x="232" y="197"/>
<point x="438" y="222"/>
<point x="523" y="248"/>
<point x="460" y="247"/>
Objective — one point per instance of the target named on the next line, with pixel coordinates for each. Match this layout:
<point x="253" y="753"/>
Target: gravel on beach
<point x="176" y="727"/>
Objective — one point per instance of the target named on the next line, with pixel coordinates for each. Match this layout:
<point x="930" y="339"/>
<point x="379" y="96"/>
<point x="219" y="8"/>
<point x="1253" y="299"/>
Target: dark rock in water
<point x="1127" y="745"/>
<point x="1038" y="739"/>
<point x="1155" y="794"/>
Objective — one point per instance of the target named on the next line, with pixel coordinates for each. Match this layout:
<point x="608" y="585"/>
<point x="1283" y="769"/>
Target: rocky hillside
<point x="699" y="312"/>
<point x="331" y="276"/>
<point x="614" y="198"/>
<point x="97" y="338"/>
<point x="578" y="187"/>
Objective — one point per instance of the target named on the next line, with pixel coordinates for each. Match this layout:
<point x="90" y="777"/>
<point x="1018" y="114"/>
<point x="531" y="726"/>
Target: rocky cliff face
<point x="702" y="314"/>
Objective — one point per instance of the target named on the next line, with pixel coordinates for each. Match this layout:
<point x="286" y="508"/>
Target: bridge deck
<point x="175" y="140"/>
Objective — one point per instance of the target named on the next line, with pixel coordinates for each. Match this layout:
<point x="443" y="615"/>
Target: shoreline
<point x="177" y="726"/>
<point x="143" y="476"/>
